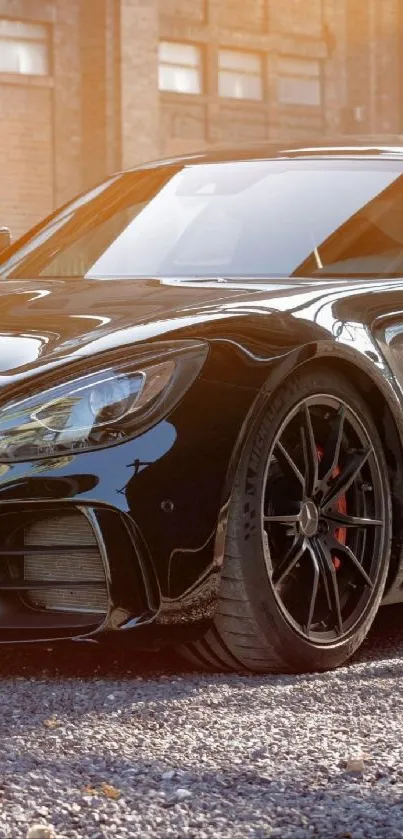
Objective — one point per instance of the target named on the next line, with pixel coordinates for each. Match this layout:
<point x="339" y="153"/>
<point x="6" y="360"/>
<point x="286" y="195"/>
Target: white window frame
<point x="195" y="65"/>
<point x="227" y="61"/>
<point x="17" y="32"/>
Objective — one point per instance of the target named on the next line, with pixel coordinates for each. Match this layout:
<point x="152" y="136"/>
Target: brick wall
<point x="67" y="99"/>
<point x="93" y="30"/>
<point x="40" y="120"/>
<point x="26" y="164"/>
<point x="298" y="17"/>
<point x="26" y="142"/>
<point x="275" y="29"/>
<point x="139" y="26"/>
<point x="387" y="46"/>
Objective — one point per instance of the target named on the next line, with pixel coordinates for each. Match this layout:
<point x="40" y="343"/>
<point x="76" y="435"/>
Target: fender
<point x="390" y="425"/>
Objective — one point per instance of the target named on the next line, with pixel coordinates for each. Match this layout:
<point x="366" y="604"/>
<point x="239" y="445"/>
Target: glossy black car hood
<point x="49" y="322"/>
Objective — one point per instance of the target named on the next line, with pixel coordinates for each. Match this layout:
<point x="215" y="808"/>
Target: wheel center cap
<point x="309" y="518"/>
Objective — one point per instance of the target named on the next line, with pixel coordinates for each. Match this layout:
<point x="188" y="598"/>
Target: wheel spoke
<point x="352" y="521"/>
<point x="287" y="463"/>
<point x="343" y="482"/>
<point x="309" y="451"/>
<point x="348" y="554"/>
<point x="282" y="519"/>
<point x="331" y="453"/>
<point x="287" y="563"/>
<point x="316" y="574"/>
<point x="317" y="557"/>
<point x="329" y="572"/>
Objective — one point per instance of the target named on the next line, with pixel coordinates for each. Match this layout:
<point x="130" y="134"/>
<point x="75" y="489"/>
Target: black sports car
<point x="201" y="409"/>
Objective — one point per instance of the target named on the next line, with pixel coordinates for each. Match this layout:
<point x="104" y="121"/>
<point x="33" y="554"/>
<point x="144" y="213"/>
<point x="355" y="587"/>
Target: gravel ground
<point x="100" y="746"/>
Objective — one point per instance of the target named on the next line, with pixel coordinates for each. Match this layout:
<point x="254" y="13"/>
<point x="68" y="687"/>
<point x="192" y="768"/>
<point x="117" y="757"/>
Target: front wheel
<point x="308" y="538"/>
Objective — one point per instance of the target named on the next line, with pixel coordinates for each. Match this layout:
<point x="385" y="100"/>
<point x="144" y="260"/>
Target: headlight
<point x="100" y="409"/>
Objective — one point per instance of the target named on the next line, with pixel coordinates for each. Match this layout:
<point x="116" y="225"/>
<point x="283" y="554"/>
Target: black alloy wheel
<point x="309" y="533"/>
<point x="323" y="518"/>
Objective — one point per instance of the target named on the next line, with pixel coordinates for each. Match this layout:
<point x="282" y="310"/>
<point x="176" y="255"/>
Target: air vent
<point x="63" y="549"/>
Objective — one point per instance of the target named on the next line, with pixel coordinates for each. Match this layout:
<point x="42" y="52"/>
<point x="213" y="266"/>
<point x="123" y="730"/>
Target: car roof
<point x="270" y="150"/>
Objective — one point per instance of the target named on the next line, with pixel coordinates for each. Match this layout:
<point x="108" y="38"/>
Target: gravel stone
<point x="101" y="742"/>
<point x="182" y="794"/>
<point x="41" y="831"/>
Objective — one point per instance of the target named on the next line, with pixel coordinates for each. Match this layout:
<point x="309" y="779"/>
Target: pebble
<point x="41" y="831"/>
<point x="355" y="765"/>
<point x="203" y="755"/>
<point x="182" y="794"/>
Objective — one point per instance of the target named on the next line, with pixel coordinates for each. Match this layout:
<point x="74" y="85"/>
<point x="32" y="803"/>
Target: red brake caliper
<point x="341" y="532"/>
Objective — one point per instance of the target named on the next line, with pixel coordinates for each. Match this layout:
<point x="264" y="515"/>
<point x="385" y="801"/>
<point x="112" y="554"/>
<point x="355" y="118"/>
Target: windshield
<point x="276" y="218"/>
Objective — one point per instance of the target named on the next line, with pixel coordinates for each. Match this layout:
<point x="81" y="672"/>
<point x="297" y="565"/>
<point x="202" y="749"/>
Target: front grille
<point x="62" y="555"/>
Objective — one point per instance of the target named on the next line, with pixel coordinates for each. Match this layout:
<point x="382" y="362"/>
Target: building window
<point x="24" y="48"/>
<point x="180" y="67"/>
<point x="299" y="82"/>
<point x="240" y="75"/>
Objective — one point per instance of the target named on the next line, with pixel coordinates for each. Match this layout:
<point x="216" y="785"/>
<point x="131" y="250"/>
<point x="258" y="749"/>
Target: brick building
<point x="89" y="86"/>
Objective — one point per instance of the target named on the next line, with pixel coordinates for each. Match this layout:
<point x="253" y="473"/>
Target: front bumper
<point x="150" y="529"/>
<point x="156" y="506"/>
<point x="68" y="571"/>
<point x="55" y="586"/>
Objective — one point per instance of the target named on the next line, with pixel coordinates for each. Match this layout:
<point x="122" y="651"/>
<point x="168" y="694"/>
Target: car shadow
<point x="121" y="661"/>
<point x="144" y="689"/>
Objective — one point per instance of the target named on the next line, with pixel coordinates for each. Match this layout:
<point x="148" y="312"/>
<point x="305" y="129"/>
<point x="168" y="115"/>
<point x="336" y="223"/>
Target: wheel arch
<point x="385" y="421"/>
<point x="376" y="389"/>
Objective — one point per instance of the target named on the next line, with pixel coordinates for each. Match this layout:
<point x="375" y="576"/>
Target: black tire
<point x="258" y="625"/>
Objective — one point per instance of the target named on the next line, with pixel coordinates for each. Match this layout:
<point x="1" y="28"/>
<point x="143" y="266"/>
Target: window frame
<point x="242" y="73"/>
<point x="200" y="67"/>
<point x="45" y="41"/>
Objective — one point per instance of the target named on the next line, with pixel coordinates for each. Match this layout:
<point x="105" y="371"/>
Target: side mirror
<point x="5" y="238"/>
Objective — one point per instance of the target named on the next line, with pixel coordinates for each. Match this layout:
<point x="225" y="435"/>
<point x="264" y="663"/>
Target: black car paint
<point x="159" y="481"/>
<point x="170" y="487"/>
